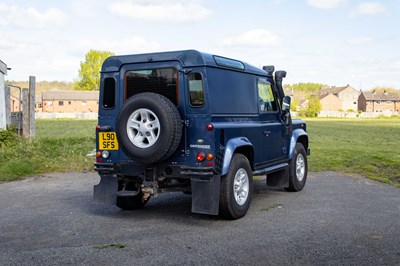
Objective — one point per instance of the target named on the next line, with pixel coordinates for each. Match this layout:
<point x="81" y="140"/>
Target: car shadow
<point x="174" y="206"/>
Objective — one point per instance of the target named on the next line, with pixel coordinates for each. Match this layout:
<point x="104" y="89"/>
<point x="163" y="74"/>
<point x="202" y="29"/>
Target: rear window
<point x="196" y="90"/>
<point x="109" y="93"/>
<point x="163" y="81"/>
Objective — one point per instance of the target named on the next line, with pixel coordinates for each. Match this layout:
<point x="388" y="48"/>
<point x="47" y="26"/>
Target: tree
<point x="89" y="73"/>
<point x="305" y="87"/>
<point x="313" y="108"/>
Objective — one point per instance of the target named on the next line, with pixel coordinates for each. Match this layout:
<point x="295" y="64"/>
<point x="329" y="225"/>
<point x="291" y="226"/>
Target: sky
<point x="334" y="42"/>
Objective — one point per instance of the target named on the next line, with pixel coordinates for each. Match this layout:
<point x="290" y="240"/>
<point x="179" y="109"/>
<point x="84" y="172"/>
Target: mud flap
<point x="106" y="190"/>
<point x="205" y="195"/>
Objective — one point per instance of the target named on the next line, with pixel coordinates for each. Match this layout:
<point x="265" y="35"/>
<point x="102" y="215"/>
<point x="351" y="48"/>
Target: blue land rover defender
<point x="197" y="123"/>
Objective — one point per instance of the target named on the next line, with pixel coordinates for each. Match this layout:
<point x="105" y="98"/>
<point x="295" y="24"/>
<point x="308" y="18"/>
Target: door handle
<point x="267" y="133"/>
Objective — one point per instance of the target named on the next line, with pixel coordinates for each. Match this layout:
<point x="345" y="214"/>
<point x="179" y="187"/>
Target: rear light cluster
<point x="103" y="128"/>
<point x="100" y="155"/>
<point x="201" y="156"/>
<point x="104" y="154"/>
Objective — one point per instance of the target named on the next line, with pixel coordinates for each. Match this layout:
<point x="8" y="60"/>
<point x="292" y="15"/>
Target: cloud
<point x="255" y="38"/>
<point x="31" y="17"/>
<point x="161" y="11"/>
<point x="85" y="8"/>
<point x="361" y="41"/>
<point x="135" y="44"/>
<point x="369" y="8"/>
<point x="326" y="4"/>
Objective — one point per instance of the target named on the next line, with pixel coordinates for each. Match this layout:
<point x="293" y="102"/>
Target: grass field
<point x="369" y="147"/>
<point x="60" y="145"/>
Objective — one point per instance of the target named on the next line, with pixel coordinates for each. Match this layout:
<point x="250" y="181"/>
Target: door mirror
<point x="286" y="104"/>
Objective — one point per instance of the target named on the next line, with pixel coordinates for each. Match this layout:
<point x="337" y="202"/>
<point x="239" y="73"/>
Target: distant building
<point x="15" y="104"/>
<point x="330" y="102"/>
<point x="347" y="97"/>
<point x="38" y="104"/>
<point x="288" y="92"/>
<point x="379" y="102"/>
<point x="70" y="101"/>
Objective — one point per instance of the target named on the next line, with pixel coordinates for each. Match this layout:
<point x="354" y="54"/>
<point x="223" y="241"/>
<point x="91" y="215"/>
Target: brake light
<point x="98" y="127"/>
<point x="210" y="127"/>
<point x="201" y="156"/>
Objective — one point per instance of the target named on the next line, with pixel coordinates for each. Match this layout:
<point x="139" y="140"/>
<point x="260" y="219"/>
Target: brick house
<point x="38" y="104"/>
<point x="14" y="104"/>
<point x="379" y="102"/>
<point x="347" y="98"/>
<point x="70" y="101"/>
<point x="330" y="102"/>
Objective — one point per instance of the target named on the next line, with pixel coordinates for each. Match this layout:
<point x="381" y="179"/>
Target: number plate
<point x="108" y="141"/>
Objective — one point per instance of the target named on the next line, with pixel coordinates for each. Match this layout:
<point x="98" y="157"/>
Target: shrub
<point x="7" y="137"/>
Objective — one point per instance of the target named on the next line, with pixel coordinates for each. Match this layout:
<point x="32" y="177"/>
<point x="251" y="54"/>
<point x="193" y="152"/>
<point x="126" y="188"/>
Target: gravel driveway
<point x="335" y="220"/>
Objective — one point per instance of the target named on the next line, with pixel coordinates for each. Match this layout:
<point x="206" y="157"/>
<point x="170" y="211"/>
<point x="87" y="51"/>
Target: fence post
<point x="32" y="88"/>
<point x="3" y="71"/>
<point x="25" y="113"/>
<point x="8" y="108"/>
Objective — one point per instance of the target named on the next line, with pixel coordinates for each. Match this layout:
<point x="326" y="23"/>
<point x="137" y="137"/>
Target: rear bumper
<point x="165" y="170"/>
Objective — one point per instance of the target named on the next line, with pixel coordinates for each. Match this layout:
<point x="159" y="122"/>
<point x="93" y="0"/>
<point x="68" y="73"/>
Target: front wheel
<point x="236" y="188"/>
<point x="298" y="168"/>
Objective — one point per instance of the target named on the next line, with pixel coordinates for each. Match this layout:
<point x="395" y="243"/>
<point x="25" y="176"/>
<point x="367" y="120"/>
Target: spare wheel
<point x="149" y="127"/>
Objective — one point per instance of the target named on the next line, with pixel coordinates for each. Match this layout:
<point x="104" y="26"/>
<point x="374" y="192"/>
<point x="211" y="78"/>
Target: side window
<point x="266" y="100"/>
<point x="196" y="90"/>
<point x="109" y="93"/>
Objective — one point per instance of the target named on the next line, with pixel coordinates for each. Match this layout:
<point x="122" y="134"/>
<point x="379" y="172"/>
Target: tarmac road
<point x="335" y="220"/>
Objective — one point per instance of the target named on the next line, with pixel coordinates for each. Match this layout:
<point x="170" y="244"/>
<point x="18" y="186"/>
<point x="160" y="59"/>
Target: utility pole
<point x="3" y="119"/>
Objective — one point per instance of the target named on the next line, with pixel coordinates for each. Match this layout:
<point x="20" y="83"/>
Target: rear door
<point x="165" y="78"/>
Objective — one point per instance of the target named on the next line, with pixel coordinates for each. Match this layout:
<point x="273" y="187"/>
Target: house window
<point x="378" y="102"/>
<point x="84" y="103"/>
<point x="61" y="103"/>
<point x="49" y="103"/>
<point x="388" y="102"/>
<point x="69" y="102"/>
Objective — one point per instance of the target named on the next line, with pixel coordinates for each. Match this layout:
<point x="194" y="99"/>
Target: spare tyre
<point x="149" y="127"/>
